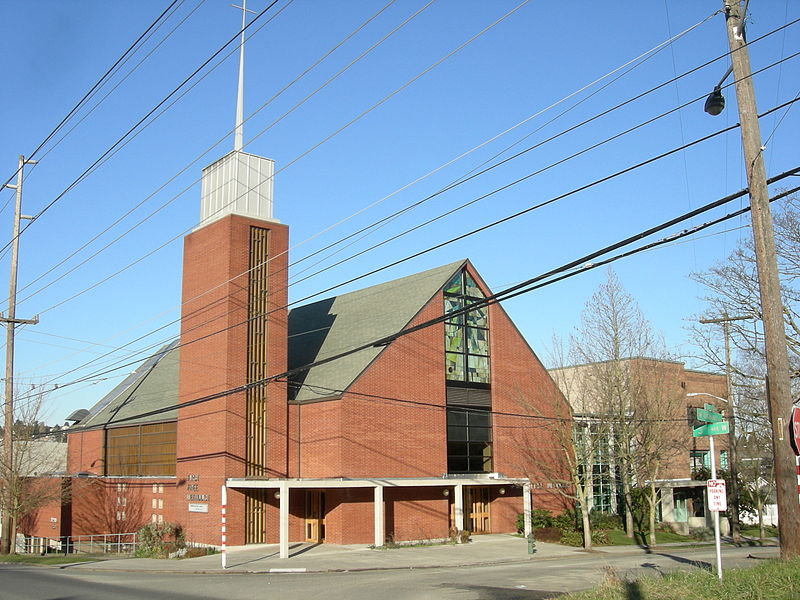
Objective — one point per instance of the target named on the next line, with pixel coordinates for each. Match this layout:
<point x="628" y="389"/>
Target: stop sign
<point x="794" y="429"/>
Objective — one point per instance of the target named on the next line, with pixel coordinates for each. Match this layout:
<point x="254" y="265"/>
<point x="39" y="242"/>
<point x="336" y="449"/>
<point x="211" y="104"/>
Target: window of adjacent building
<point x="466" y="336"/>
<point x="469" y="440"/>
<point x="591" y="439"/>
<point x="723" y="459"/>
<point x="700" y="459"/>
<point x="141" y="450"/>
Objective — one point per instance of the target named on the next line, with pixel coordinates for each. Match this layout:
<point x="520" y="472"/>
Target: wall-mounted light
<point x="445" y="492"/>
<point x="277" y="495"/>
<point x="502" y="491"/>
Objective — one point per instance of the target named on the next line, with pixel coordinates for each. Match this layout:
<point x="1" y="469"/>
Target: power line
<point x="138" y="123"/>
<point x="505" y="294"/>
<point x="95" y="87"/>
<point x="519" y="213"/>
<point x="206" y="151"/>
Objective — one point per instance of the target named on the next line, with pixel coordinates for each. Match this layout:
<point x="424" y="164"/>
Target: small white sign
<point x="202" y="508"/>
<point x="717" y="499"/>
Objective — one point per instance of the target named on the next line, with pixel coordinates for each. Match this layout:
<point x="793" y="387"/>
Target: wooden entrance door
<point x="315" y="516"/>
<point x="476" y="501"/>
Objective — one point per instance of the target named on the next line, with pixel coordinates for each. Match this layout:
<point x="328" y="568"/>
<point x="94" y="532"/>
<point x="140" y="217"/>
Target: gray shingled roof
<point x="329" y="327"/>
<point x="316" y="331"/>
<point x="153" y="385"/>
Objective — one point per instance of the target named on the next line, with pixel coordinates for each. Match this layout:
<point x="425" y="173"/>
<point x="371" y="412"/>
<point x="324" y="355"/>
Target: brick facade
<point x="390" y="422"/>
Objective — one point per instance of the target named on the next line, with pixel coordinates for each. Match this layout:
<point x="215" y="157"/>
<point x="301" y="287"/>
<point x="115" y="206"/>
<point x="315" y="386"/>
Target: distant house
<point x="678" y="392"/>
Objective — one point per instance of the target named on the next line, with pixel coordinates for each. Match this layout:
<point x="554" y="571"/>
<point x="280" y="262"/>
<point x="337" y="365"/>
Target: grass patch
<point x="617" y="537"/>
<point x="48" y="559"/>
<point x="768" y="580"/>
<point x="754" y="531"/>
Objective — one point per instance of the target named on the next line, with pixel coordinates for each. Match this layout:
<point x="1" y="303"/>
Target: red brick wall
<point x="211" y="435"/>
<point x="39" y="522"/>
<point x="416" y="514"/>
<point x="98" y="504"/>
<point x="85" y="452"/>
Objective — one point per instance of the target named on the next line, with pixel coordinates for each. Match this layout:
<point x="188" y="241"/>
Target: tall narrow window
<point x="466" y="336"/>
<point x="466" y="355"/>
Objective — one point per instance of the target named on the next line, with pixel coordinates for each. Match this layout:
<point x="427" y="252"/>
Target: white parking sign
<point x="717" y="500"/>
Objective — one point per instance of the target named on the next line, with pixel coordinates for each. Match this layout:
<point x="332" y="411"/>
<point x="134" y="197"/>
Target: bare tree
<point x="621" y="399"/>
<point x="31" y="481"/>
<point x="733" y="289"/>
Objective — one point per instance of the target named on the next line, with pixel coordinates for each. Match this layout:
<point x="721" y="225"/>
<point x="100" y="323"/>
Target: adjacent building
<point x="664" y="396"/>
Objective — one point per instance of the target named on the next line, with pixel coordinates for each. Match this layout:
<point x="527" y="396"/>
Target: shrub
<point x="548" y="534"/>
<point x="604" y="520"/>
<point x="701" y="533"/>
<point x="539" y="518"/>
<point x="159" y="540"/>
<point x="571" y="538"/>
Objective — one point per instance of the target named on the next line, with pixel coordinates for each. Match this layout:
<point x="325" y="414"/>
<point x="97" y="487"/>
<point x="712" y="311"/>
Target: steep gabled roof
<point x="329" y="327"/>
<point x="153" y="385"/>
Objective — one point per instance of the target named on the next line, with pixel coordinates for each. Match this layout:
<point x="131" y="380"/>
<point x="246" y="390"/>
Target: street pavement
<point x="483" y="550"/>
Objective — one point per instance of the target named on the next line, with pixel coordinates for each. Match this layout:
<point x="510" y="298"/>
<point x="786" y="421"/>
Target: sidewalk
<point x="321" y="558"/>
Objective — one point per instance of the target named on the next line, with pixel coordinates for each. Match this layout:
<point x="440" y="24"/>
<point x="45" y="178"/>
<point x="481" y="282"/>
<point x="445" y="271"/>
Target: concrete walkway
<point x="321" y="558"/>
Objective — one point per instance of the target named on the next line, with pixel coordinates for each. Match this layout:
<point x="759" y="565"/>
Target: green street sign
<point x="709" y="407"/>
<point x="708" y="416"/>
<point x="711" y="429"/>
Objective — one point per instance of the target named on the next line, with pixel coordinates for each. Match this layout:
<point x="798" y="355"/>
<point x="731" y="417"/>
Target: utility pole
<point x="734" y="465"/>
<point x="778" y="386"/>
<point x="9" y="471"/>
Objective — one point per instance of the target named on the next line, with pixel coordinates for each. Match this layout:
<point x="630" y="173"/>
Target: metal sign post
<point x="715" y="426"/>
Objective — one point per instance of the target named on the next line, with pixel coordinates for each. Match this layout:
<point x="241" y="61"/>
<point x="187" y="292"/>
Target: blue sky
<point x="540" y="55"/>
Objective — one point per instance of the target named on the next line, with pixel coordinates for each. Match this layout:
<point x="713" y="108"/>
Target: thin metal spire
<point x="237" y="134"/>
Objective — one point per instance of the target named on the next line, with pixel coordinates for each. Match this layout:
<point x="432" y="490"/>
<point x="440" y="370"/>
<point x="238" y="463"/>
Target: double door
<point x="476" y="510"/>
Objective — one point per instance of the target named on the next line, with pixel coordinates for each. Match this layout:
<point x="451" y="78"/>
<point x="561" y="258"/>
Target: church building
<point x="391" y="413"/>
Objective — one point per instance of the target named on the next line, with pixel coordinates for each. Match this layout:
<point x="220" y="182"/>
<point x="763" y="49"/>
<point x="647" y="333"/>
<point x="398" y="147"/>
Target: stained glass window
<point x="466" y="337"/>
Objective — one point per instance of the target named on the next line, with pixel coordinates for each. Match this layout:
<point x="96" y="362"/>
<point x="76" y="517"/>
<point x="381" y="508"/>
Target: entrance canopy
<point x="283" y="486"/>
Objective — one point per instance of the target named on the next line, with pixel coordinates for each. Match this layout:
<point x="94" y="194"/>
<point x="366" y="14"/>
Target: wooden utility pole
<point x="9" y="470"/>
<point x="778" y="387"/>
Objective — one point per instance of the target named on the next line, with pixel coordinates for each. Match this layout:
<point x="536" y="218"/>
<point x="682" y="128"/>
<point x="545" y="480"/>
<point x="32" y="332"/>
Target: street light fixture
<point x="715" y="102"/>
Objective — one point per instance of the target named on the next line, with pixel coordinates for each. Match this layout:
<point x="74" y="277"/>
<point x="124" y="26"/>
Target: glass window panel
<point x="454" y="285"/>
<point x="456" y="417"/>
<point x="478" y="464"/>
<point x="479" y="418"/>
<point x="481" y="449"/>
<point x="454" y="366"/>
<point x="457" y="464"/>
<point x="480" y="434"/>
<point x="471" y="288"/>
<point x="477" y="341"/>
<point x="456" y="449"/>
<point x="478" y="368"/>
<point x="453" y="340"/>
<point x="457" y="434"/>
<point x="453" y="304"/>
<point x="478" y="317"/>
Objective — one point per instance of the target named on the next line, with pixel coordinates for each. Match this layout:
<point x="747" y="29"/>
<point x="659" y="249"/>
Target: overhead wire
<point x="98" y="84"/>
<point x="415" y="204"/>
<point x="206" y="151"/>
<point x="506" y="294"/>
<point x="120" y="140"/>
<point x="507" y="218"/>
<point x="648" y="161"/>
